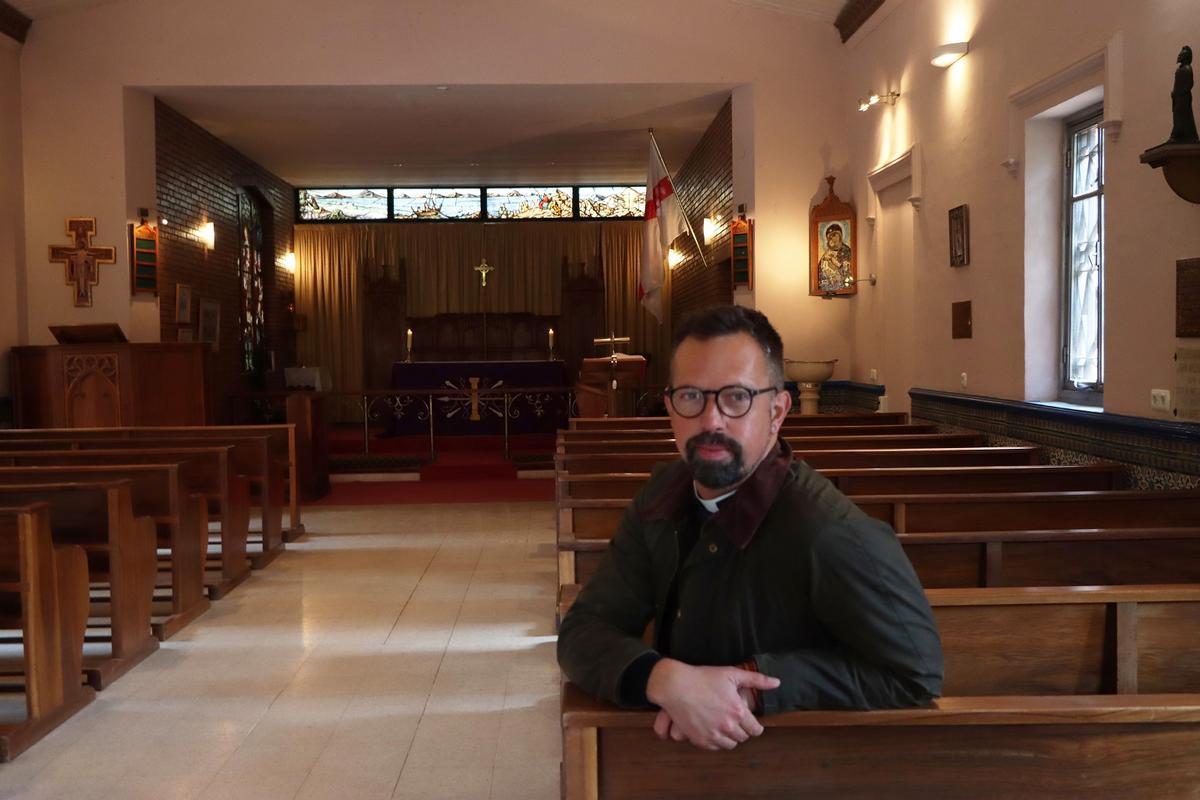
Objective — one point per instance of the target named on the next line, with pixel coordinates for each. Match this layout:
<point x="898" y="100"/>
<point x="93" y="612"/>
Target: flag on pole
<point x="664" y="222"/>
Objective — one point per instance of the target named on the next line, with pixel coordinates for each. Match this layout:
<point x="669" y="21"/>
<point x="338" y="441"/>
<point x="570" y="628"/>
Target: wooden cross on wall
<point x="82" y="260"/>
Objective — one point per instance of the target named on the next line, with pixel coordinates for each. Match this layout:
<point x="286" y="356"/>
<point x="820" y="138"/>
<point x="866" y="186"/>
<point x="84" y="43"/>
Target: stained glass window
<point x="250" y="279"/>
<point x="543" y="202"/>
<point x="612" y="201"/>
<point x="436" y="203"/>
<point x="1083" y="350"/>
<point x="317" y="205"/>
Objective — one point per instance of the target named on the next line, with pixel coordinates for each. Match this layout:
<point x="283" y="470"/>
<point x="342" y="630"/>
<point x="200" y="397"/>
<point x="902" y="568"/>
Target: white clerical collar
<point x="711" y="505"/>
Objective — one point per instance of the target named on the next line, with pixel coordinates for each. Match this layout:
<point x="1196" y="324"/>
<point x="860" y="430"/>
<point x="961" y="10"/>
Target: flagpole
<point x="688" y="222"/>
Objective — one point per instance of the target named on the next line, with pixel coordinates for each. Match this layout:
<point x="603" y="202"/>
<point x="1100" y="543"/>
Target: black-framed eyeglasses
<point x="733" y="401"/>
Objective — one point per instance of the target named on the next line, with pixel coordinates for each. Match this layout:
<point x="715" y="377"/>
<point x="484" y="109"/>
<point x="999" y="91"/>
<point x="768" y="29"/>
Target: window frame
<point x="483" y="215"/>
<point x="1068" y="392"/>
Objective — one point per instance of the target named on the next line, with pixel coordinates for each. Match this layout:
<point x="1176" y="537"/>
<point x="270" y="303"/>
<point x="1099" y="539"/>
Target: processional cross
<point x="81" y="258"/>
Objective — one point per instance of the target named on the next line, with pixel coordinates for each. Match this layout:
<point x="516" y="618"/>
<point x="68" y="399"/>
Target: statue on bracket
<point x="1183" y="130"/>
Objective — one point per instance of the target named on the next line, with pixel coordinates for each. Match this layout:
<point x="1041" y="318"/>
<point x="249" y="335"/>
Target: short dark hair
<point x="708" y="323"/>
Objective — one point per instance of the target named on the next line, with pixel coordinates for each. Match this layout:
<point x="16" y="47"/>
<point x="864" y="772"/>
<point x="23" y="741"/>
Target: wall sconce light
<point x="947" y="54"/>
<point x="874" y="99"/>
<point x="289" y="262"/>
<point x="712" y="228"/>
<point x="674" y="258"/>
<point x="207" y="233"/>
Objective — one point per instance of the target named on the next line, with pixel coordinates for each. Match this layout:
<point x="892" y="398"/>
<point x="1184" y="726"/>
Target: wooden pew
<point x="43" y="597"/>
<point x="819" y="459"/>
<point x="1049" y="692"/>
<point x="886" y="441"/>
<point x="119" y="546"/>
<point x="250" y="459"/>
<point x="181" y="519"/>
<point x="1067" y="557"/>
<point x="915" y="513"/>
<point x="281" y="442"/>
<point x="636" y="434"/>
<point x="1026" y="510"/>
<point x="209" y="474"/>
<point x="792" y="420"/>
<point x="888" y="480"/>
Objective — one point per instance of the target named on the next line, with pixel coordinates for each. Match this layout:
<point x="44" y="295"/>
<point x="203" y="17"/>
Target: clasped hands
<point x="711" y="707"/>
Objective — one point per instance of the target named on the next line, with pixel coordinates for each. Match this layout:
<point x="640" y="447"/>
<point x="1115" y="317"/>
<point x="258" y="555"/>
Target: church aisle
<point x="402" y="651"/>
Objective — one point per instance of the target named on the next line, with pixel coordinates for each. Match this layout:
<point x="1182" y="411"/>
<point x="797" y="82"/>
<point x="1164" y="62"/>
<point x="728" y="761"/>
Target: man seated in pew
<point x="769" y="589"/>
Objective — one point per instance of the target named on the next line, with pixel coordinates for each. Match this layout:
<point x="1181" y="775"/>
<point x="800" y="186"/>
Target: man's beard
<point x="715" y="474"/>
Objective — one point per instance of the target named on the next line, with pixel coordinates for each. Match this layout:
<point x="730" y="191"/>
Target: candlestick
<point x="552" y="338"/>
<point x="408" y="345"/>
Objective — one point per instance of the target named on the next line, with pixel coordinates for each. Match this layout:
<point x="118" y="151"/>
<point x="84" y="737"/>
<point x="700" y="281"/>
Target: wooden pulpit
<point x="105" y="384"/>
<point x="599" y="380"/>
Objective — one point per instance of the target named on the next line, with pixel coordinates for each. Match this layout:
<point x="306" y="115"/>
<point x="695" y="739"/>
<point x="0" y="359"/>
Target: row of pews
<point x="1068" y="605"/>
<point x="114" y="539"/>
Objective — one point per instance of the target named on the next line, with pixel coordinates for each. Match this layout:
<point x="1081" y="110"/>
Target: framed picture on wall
<point x="183" y="303"/>
<point x="960" y="237"/>
<point x="210" y="323"/>
<point x="833" y="247"/>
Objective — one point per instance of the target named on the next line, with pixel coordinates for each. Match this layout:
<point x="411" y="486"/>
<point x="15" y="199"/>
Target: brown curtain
<point x="528" y="260"/>
<point x="531" y="258"/>
<point x="621" y="247"/>
<point x="328" y="294"/>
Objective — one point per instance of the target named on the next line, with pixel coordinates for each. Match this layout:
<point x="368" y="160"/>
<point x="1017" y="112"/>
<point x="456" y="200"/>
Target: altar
<point x="473" y="397"/>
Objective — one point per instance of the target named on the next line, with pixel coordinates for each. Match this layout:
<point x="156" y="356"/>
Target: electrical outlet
<point x="1160" y="400"/>
<point x="873" y="375"/>
<point x="963" y="380"/>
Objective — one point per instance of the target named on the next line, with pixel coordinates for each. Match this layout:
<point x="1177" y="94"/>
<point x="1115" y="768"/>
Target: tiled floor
<point x="395" y="652"/>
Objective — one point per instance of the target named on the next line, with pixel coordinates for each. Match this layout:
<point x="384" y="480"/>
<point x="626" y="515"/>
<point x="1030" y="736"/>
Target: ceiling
<point x="454" y="135"/>
<point x="826" y="10"/>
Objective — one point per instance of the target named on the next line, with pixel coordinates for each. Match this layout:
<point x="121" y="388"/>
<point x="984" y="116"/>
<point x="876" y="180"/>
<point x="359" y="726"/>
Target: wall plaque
<point x="1187" y="297"/>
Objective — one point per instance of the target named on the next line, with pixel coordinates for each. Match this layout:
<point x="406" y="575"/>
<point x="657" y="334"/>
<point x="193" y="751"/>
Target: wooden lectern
<point x="599" y="379"/>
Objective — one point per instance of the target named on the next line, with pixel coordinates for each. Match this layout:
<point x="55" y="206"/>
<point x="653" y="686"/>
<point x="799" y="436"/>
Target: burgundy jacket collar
<point x="738" y="516"/>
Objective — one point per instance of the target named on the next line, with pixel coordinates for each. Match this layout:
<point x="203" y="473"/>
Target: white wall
<point x="12" y="241"/>
<point x="791" y="103"/>
<point x="961" y="118"/>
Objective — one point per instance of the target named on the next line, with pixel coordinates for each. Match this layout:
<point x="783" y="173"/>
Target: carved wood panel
<point x="93" y="395"/>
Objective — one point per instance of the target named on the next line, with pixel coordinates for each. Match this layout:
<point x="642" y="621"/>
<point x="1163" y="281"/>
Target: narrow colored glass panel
<point x="338" y="204"/>
<point x="612" y="201"/>
<point x="543" y="202"/>
<point x="436" y="203"/>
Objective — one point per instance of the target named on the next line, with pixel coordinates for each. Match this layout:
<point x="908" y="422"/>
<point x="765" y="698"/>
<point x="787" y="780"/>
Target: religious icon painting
<point x="833" y="247"/>
<point x="82" y="259"/>
<point x="210" y="323"/>
<point x="960" y="237"/>
<point x="183" y="303"/>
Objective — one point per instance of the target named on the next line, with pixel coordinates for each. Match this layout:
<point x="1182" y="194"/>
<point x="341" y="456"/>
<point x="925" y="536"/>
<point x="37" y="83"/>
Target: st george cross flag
<point x="664" y="222"/>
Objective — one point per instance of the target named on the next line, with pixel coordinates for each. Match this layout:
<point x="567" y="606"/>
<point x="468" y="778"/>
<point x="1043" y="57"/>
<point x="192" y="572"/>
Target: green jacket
<point x="789" y="573"/>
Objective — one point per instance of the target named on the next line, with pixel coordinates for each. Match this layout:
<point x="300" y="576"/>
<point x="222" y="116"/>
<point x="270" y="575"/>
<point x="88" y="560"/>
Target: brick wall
<point x="705" y="186"/>
<point x="198" y="179"/>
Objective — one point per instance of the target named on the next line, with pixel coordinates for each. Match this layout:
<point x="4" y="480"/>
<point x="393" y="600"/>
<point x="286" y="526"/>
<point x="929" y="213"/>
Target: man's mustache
<point x="713" y="438"/>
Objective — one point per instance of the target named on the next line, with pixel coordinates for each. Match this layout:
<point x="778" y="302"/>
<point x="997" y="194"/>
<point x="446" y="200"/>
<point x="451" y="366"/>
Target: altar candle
<point x="552" y="338"/>
<point x="408" y="341"/>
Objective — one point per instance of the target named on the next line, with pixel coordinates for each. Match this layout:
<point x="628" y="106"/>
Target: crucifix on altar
<point x="82" y="260"/>
<point x="600" y="378"/>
